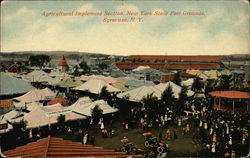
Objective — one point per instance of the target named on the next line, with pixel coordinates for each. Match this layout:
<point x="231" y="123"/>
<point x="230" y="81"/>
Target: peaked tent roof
<point x="37" y="76"/>
<point x="11" y="85"/>
<point x="57" y="147"/>
<point x="175" y="88"/>
<point x="95" y="86"/>
<point x="231" y="94"/>
<point x="107" y="79"/>
<point x="45" y="115"/>
<point x="63" y="61"/>
<point x="84" y="105"/>
<point x="213" y="74"/>
<point x="36" y="95"/>
<point x="134" y="83"/>
<point x="137" y="94"/>
<point x="141" y="68"/>
<point x="69" y="82"/>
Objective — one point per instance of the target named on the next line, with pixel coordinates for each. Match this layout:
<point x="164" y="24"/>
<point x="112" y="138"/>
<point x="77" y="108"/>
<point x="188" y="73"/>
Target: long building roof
<point x="176" y="58"/>
<point x="57" y="147"/>
<point x="169" y="66"/>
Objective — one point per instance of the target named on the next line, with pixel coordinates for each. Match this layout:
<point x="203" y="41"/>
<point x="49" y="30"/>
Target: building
<point x="163" y="62"/>
<point x="63" y="65"/>
<point x="14" y="69"/>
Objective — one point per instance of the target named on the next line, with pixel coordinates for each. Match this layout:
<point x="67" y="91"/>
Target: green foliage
<point x="177" y="78"/>
<point x="198" y="85"/>
<point x="19" y="127"/>
<point x="61" y="119"/>
<point x="96" y="113"/>
<point x="104" y="94"/>
<point x="103" y="66"/>
<point x="225" y="82"/>
<point x="39" y="60"/>
<point x="83" y="65"/>
<point x="151" y="105"/>
<point x="167" y="99"/>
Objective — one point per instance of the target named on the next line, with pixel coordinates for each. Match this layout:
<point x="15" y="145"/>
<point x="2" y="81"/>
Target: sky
<point x="222" y="29"/>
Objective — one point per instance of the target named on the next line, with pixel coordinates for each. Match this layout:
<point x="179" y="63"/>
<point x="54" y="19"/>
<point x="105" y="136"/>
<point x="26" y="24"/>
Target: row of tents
<point x="38" y="115"/>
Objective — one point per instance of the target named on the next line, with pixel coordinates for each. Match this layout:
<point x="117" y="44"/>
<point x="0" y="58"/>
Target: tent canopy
<point x="231" y="94"/>
<point x="108" y="79"/>
<point x="85" y="105"/>
<point x="137" y="94"/>
<point x="95" y="86"/>
<point x="37" y="76"/>
<point x="37" y="95"/>
<point x="11" y="85"/>
<point x="68" y="82"/>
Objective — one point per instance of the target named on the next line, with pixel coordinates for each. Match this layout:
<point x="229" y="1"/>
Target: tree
<point x="39" y="60"/>
<point x="177" y="78"/>
<point x="225" y="82"/>
<point x="96" y="113"/>
<point x="19" y="129"/>
<point x="61" y="119"/>
<point x="152" y="109"/>
<point x="104" y="94"/>
<point x="102" y="66"/>
<point x="83" y="65"/>
<point x="181" y="101"/>
<point x="167" y="99"/>
<point x="198" y="85"/>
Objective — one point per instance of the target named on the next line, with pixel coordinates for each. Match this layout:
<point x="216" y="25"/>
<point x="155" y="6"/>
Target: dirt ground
<point x="183" y="146"/>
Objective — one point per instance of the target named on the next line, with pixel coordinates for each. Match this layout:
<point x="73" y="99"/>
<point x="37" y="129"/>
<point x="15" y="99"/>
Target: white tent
<point x="95" y="86"/>
<point x="189" y="82"/>
<point x="137" y="94"/>
<point x="213" y="74"/>
<point x="37" y="76"/>
<point x="84" y="106"/>
<point x="36" y="95"/>
<point x="107" y="79"/>
<point x="41" y="116"/>
<point x="80" y="103"/>
<point x="140" y="68"/>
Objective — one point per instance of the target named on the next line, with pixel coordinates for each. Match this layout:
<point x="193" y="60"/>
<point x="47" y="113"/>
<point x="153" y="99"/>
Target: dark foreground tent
<point x="57" y="147"/>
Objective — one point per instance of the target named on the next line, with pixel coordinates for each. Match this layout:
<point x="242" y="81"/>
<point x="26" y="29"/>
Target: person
<point x="160" y="136"/>
<point x="126" y="126"/>
<point x="92" y="140"/>
<point x="85" y="138"/>
<point x="168" y="134"/>
<point x="187" y="128"/>
<point x="179" y="121"/>
<point x="102" y="125"/>
<point x="175" y="135"/>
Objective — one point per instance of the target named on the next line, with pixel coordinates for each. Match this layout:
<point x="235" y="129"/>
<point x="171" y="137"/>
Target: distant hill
<point x="76" y="55"/>
<point x="53" y="54"/>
